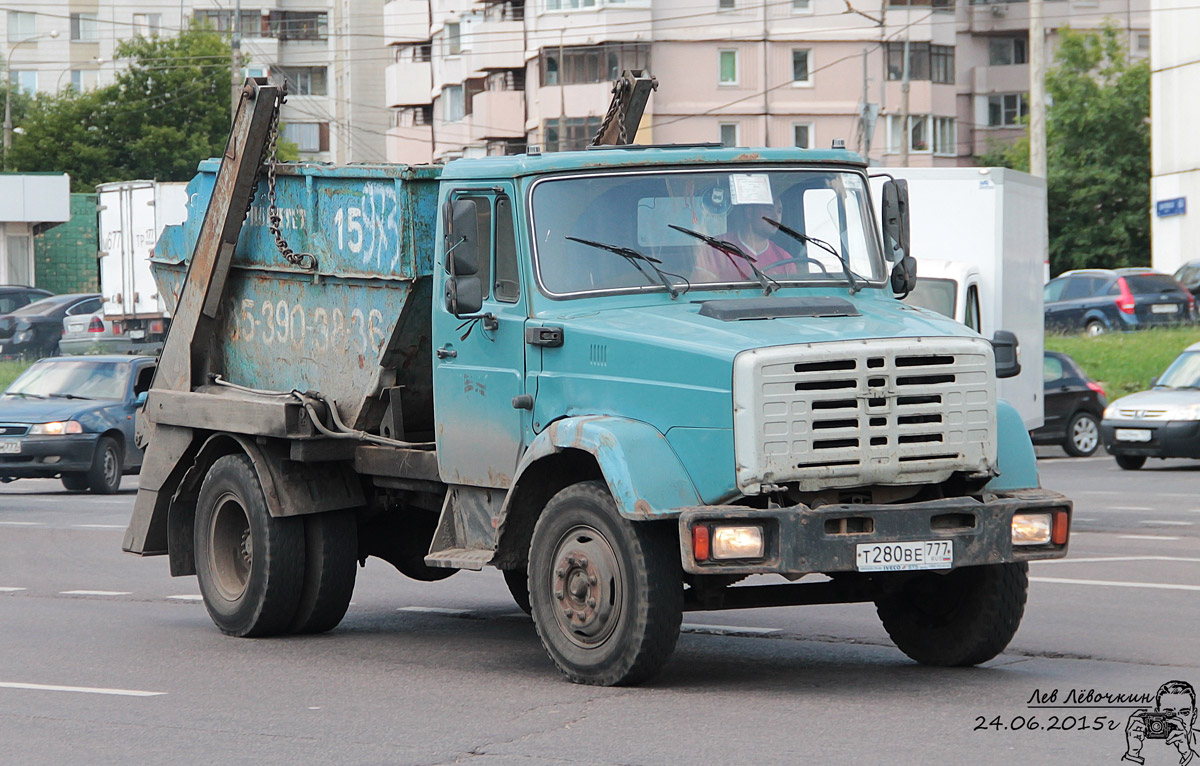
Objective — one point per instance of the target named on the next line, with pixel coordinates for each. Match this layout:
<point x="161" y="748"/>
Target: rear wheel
<point x="250" y="566"/>
<point x="104" y="477"/>
<point x="1095" y="327"/>
<point x="606" y="593"/>
<point x="957" y="619"/>
<point x="1130" y="462"/>
<point x="76" y="482"/>
<point x="1083" y="435"/>
<point x="330" y="560"/>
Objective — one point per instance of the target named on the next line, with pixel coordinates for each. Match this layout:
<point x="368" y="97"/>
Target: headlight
<point x="1182" y="412"/>
<point x="21" y="337"/>
<point x="737" y="542"/>
<point x="57" y="428"/>
<point x="1031" y="528"/>
<point x="1110" y="411"/>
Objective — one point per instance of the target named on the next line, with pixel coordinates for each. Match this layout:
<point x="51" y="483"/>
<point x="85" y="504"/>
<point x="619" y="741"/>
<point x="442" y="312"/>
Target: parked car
<point x="1162" y="422"/>
<point x="34" y="330"/>
<point x="96" y="334"/>
<point x="1074" y="405"/>
<point x="1097" y="301"/>
<point x="1188" y="275"/>
<point x="73" y="418"/>
<point x="13" y="297"/>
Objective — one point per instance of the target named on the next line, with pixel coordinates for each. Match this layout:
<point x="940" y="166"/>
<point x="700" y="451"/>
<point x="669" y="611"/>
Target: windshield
<point x="1184" y="372"/>
<point x="674" y="217"/>
<point x="935" y="295"/>
<point x="72" y="380"/>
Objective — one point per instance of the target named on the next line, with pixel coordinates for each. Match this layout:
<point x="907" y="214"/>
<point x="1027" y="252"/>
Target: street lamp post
<point x="99" y="62"/>
<point x="8" y="126"/>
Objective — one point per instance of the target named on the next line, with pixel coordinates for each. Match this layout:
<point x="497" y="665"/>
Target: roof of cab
<point x="615" y="157"/>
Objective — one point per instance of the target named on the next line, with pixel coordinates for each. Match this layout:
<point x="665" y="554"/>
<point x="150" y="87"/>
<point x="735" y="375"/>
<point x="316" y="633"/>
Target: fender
<point x="644" y="474"/>
<point x="1015" y="458"/>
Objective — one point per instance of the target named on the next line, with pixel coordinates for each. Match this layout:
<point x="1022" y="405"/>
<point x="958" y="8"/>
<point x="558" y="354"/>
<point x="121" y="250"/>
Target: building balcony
<point x="408" y="84"/>
<point x="1000" y="79"/>
<point x="405" y="21"/>
<point x="498" y="114"/>
<point x="409" y="146"/>
<point x="591" y="26"/>
<point x="496" y="45"/>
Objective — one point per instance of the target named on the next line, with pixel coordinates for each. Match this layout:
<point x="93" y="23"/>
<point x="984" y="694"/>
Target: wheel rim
<point x="1085" y="435"/>
<point x="1095" y="328"/>
<point x="586" y="587"/>
<point x="230" y="548"/>
<point x="112" y="471"/>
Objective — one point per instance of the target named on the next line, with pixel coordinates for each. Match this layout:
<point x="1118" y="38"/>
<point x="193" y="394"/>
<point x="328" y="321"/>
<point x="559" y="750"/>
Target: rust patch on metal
<point x="642" y="507"/>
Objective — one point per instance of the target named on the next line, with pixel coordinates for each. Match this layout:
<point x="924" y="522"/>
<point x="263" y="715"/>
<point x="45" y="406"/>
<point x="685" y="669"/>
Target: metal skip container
<point x="352" y="327"/>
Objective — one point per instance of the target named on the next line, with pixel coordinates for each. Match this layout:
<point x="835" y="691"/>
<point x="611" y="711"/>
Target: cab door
<point x="479" y="359"/>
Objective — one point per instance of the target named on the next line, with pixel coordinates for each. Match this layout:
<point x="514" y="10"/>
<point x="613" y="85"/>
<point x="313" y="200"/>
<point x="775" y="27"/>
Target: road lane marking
<point x="1171" y="523"/>
<point x="434" y="610"/>
<point x="721" y="630"/>
<point x="94" y="593"/>
<point x="100" y="526"/>
<point x="188" y="597"/>
<point x="20" y="523"/>
<point x="1098" y="559"/>
<point x="1147" y="537"/>
<point x="10" y="590"/>
<point x="1116" y="583"/>
<point x="80" y="689"/>
<point x="1129" y="508"/>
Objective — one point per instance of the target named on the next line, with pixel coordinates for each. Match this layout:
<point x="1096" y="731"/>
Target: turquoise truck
<point x="638" y="380"/>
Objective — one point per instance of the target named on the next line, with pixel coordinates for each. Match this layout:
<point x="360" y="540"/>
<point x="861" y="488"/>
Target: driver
<point x="752" y="235"/>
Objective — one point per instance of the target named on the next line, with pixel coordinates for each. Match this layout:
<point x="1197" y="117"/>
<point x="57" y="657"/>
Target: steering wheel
<point x="796" y="259"/>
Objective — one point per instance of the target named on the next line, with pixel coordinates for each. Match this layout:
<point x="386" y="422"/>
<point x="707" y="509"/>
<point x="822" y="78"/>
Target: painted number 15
<point x="349" y="221"/>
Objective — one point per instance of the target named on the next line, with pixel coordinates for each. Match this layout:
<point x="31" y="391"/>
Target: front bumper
<point x="48" y="456"/>
<point x="1168" y="438"/>
<point x="800" y="540"/>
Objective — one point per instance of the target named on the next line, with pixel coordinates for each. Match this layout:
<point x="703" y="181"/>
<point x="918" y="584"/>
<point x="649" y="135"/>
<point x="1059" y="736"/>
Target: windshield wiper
<point x="24" y="394"/>
<point x="728" y="248"/>
<point x="852" y="279"/>
<point x="69" y="396"/>
<point x="637" y="259"/>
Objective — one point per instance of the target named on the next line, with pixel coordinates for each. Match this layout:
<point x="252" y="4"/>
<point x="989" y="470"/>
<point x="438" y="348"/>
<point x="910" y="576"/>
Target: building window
<point x="251" y="23"/>
<point x="147" y="24"/>
<point x="453" y="108"/>
<point x="925" y="62"/>
<point x="21" y="26"/>
<point x="453" y="39"/>
<point x="729" y="73"/>
<point x="1143" y="43"/>
<point x="1006" y="110"/>
<point x="945" y="136"/>
<point x="802" y="135"/>
<point x="304" y="80"/>
<point x="937" y="5"/>
<point x="801" y="6"/>
<point x="423" y="115"/>
<point x="591" y="63"/>
<point x="569" y="5"/>
<point x="1005" y="51"/>
<point x="800" y="67"/>
<point x="576" y="134"/>
<point x="77" y="80"/>
<point x="728" y="133"/>
<point x="308" y="136"/>
<point x="725" y="5"/>
<point x="84" y="28"/>
<point x="298" y="25"/>
<point x="25" y="80"/>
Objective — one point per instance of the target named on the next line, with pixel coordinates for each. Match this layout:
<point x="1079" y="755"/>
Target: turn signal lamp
<point x="700" y="547"/>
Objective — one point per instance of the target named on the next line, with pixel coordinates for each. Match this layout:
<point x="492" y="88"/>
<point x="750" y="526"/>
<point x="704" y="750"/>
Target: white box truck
<point x="131" y="216"/>
<point x="980" y="239"/>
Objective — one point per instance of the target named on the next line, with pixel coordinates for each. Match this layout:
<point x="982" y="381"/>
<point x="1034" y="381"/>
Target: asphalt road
<point x="106" y="659"/>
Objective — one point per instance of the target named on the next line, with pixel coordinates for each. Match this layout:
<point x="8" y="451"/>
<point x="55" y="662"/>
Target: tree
<point x="1097" y="153"/>
<point x="164" y="113"/>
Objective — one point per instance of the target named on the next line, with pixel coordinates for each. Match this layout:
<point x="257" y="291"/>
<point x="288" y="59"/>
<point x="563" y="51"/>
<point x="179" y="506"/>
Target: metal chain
<point x="301" y="260"/>
<point x="616" y="111"/>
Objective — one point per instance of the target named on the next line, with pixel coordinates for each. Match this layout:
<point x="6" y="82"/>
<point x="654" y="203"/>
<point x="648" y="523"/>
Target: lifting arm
<point x="630" y="92"/>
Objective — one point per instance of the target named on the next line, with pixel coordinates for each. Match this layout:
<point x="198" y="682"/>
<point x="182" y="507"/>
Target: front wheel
<point x="1130" y="462"/>
<point x="961" y="618"/>
<point x="104" y="477"/>
<point x="606" y="593"/>
<point x="1083" y="435"/>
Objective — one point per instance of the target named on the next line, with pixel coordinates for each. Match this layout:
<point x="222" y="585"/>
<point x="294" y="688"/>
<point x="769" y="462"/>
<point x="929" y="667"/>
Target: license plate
<point x="903" y="557"/>
<point x="10" y="446"/>
<point x="1164" y="308"/>
<point x="137" y="334"/>
<point x="1132" y="434"/>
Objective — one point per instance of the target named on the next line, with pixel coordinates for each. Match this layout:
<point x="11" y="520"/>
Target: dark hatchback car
<point x="13" y="297"/>
<point x="34" y="330"/>
<point x="1074" y="406"/>
<point x="73" y="418"/>
<point x="1097" y="301"/>
<point x="1188" y="275"/>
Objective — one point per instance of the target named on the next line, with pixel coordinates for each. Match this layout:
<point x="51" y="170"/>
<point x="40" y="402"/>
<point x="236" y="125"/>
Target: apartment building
<point x="328" y="51"/>
<point x="492" y="77"/>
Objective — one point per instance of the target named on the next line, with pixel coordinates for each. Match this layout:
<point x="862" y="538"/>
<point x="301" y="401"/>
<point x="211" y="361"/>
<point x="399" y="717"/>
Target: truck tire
<point x="250" y="566"/>
<point x="330" y="561"/>
<point x="606" y="593"/>
<point x="1083" y="435"/>
<point x="958" y="619"/>
<point x="517" y="581"/>
<point x="1130" y="462"/>
<point x="104" y="477"/>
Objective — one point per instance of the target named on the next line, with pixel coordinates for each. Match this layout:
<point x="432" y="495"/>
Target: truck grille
<point x="859" y="413"/>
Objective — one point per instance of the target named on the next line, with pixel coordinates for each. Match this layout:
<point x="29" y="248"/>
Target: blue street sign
<point x="1166" y="207"/>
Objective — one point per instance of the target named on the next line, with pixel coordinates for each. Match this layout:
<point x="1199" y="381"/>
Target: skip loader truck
<point x="629" y="377"/>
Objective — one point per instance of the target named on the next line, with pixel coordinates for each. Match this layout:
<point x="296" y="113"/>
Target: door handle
<point x="445" y="352"/>
<point x="544" y="336"/>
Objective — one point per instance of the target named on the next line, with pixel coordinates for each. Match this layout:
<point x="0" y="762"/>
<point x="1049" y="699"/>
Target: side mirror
<point x="462" y="239"/>
<point x="1008" y="354"/>
<point x="904" y="276"/>
<point x="464" y="295"/>
<point x="895" y="219"/>
<point x="139" y="401"/>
